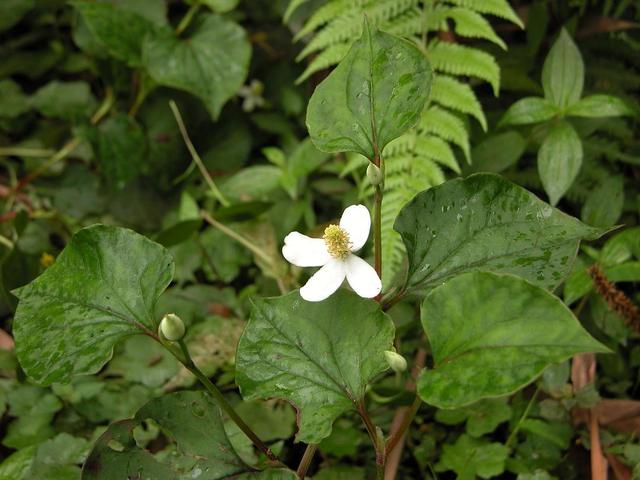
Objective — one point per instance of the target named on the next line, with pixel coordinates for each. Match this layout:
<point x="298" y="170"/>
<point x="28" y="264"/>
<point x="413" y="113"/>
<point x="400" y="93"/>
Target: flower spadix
<point x="334" y="252"/>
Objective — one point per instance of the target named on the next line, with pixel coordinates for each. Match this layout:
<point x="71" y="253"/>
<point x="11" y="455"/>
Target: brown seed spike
<point x="615" y="298"/>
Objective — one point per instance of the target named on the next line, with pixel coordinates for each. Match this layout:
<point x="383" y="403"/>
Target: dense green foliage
<point x="154" y="155"/>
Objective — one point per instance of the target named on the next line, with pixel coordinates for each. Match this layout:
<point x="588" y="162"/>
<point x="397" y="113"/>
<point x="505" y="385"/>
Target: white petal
<point x="362" y="277"/>
<point x="357" y="222"/>
<point x="324" y="282"/>
<point x="305" y="251"/>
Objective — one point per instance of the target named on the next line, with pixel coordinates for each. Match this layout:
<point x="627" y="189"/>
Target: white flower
<point x="334" y="253"/>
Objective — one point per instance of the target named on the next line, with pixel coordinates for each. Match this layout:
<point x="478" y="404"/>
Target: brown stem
<point x="307" y="458"/>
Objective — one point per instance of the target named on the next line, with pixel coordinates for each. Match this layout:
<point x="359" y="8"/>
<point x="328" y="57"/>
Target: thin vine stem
<point x="525" y="414"/>
<point x="393" y="440"/>
<point x="185" y="359"/>
<point x="196" y="158"/>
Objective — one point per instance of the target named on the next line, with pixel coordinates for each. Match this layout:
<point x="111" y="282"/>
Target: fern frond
<point x="292" y="7"/>
<point x="446" y="125"/>
<point x="328" y="12"/>
<point x="326" y="59"/>
<point x="470" y="24"/>
<point x="348" y="26"/>
<point x="436" y="149"/>
<point x="497" y="8"/>
<point x="462" y="60"/>
<point x="451" y="93"/>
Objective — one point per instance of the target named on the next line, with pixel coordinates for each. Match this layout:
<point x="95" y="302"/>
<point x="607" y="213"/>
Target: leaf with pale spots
<point x="203" y="451"/>
<point x="103" y="287"/>
<point x="375" y="95"/>
<point x="485" y="222"/>
<point x="491" y="334"/>
<point x="317" y="355"/>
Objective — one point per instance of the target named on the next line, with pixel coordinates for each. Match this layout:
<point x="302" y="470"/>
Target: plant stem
<point x="186" y="20"/>
<point x="237" y="237"/>
<point x="377" y="218"/>
<point x="306" y="460"/>
<point x="375" y="434"/>
<point x="522" y="418"/>
<point x="26" y="152"/>
<point x="393" y="440"/>
<point x="70" y="146"/>
<point x="222" y="402"/>
<point x="196" y="158"/>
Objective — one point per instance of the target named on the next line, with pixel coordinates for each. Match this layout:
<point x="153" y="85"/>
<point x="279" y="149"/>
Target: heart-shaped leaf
<point x="212" y="64"/>
<point x="118" y="30"/>
<point x="319" y="356"/>
<point x="485" y="222"/>
<point x="192" y="420"/>
<point x="374" y="95"/>
<point x="491" y="334"/>
<point x="102" y="288"/>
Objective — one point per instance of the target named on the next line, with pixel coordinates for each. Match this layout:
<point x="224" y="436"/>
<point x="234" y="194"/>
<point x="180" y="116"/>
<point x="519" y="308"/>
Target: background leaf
<point x="318" y="356"/>
<point x="118" y="30"/>
<point x="102" y="288"/>
<point x="375" y="94"/>
<point x="563" y="72"/>
<point x="559" y="160"/>
<point x="492" y="348"/>
<point x="486" y="222"/>
<point x="211" y="64"/>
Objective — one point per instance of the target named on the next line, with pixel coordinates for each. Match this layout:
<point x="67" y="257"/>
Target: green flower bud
<point x="172" y="327"/>
<point x="396" y="361"/>
<point x="374" y="174"/>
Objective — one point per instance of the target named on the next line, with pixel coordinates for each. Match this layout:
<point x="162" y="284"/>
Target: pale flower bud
<point x="374" y="174"/>
<point x="396" y="361"/>
<point x="172" y="327"/>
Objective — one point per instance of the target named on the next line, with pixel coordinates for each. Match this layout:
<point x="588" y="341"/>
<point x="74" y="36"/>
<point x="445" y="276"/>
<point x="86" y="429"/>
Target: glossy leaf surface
<point x="485" y="222"/>
<point x="102" y="288"/>
<point x="492" y="334"/>
<point x="374" y="95"/>
<point x="318" y="356"/>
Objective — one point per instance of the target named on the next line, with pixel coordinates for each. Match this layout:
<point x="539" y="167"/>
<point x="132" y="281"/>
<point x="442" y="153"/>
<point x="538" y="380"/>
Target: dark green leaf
<point x="120" y="146"/>
<point x="13" y="101"/>
<point x="212" y="64"/>
<point x="11" y="11"/>
<point x="492" y="334"/>
<point x="604" y="203"/>
<point x="318" y="356"/>
<point x="563" y="72"/>
<point x="486" y="222"/>
<point x="373" y="96"/>
<point x="102" y="288"/>
<point x="529" y="110"/>
<point x="471" y="458"/>
<point x="497" y="152"/>
<point x="193" y="421"/>
<point x="559" y="160"/>
<point x="118" y="30"/>
<point x="67" y="100"/>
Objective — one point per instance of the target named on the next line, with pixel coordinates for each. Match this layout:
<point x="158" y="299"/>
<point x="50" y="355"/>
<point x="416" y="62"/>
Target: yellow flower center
<point x="337" y="240"/>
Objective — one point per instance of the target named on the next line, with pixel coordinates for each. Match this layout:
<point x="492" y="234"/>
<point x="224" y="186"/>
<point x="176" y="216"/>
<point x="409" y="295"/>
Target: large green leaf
<point x="318" y="356"/>
<point x="486" y="222"/>
<point x="212" y="64"/>
<point x="102" y="288"/>
<point x="563" y="72"/>
<point x="203" y="451"/>
<point x="375" y="94"/>
<point x="118" y="30"/>
<point x="559" y="160"/>
<point x="491" y="334"/>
